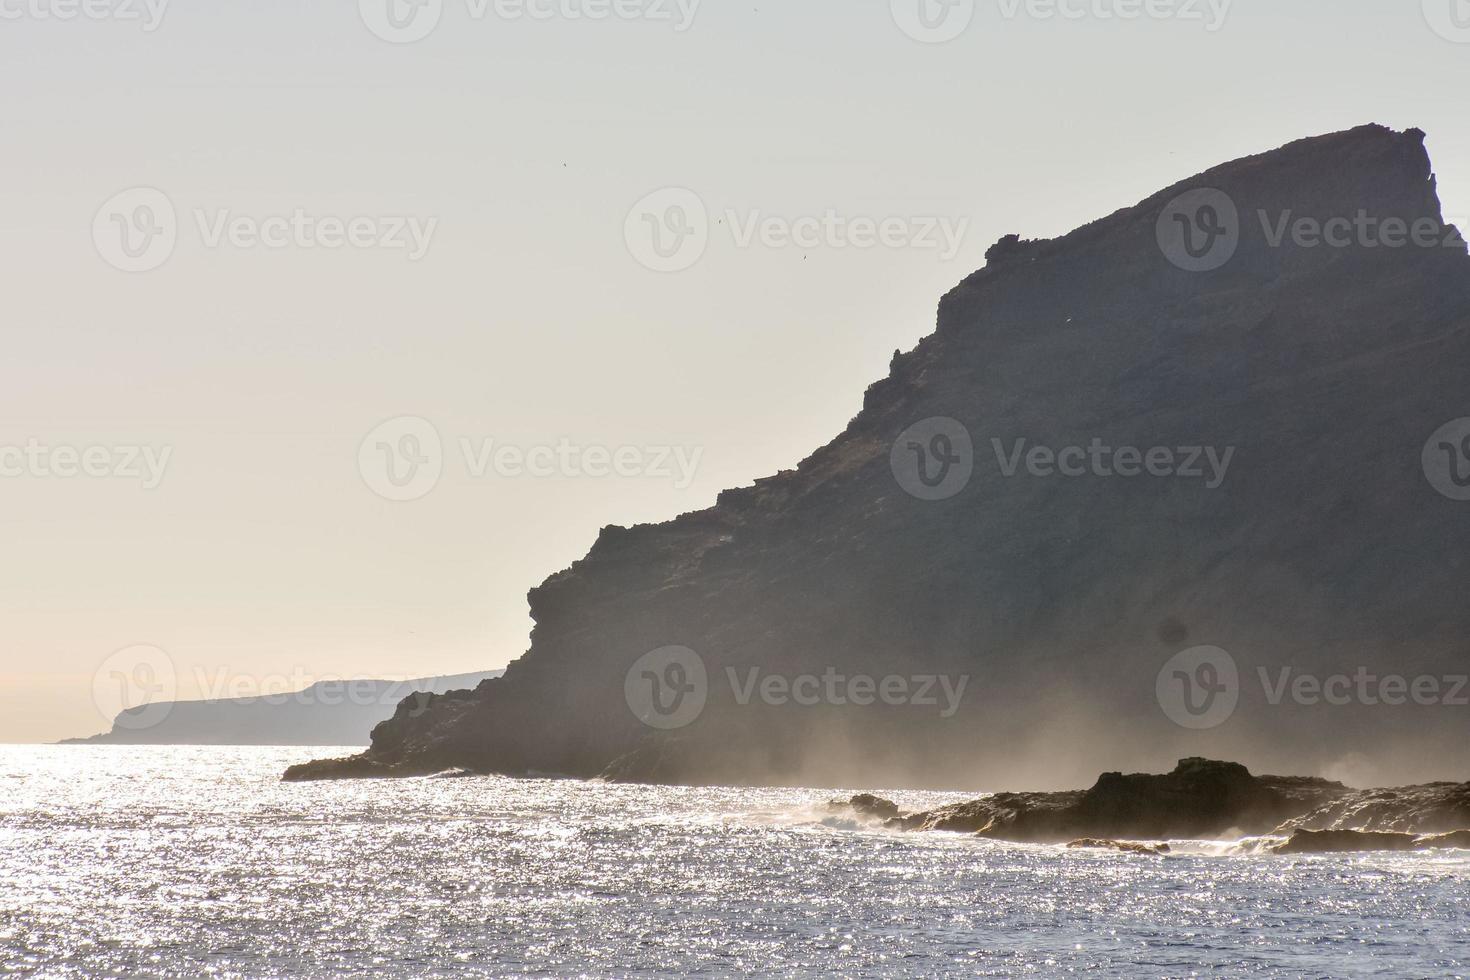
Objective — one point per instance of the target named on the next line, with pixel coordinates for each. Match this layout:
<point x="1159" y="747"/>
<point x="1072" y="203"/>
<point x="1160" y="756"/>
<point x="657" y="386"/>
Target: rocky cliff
<point x="1190" y="423"/>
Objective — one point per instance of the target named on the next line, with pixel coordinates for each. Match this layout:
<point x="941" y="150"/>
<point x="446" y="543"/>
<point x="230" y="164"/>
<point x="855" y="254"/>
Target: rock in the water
<point x="875" y="807"/>
<point x="1199" y="799"/>
<point x="1459" y="840"/>
<point x="352" y="767"/>
<point x="1127" y="847"/>
<point x="1429" y="809"/>
<point x="1345" y="841"/>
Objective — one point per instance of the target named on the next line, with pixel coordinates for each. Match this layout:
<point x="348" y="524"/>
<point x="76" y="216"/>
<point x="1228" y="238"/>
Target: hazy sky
<point x="245" y="377"/>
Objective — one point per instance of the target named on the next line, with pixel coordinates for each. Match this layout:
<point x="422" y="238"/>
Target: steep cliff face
<point x="1295" y="386"/>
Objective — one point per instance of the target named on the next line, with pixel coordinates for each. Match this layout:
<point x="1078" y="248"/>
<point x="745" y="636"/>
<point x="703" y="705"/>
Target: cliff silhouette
<point x="1319" y="371"/>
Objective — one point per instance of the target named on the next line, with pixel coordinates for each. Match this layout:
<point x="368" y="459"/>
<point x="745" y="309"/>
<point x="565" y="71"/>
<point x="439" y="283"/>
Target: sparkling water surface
<point x="189" y="862"/>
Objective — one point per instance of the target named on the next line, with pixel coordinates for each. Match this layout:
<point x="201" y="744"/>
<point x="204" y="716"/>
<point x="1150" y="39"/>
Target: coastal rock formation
<point x="874" y="807"/>
<point x="1355" y="841"/>
<point x="1126" y="847"/>
<point x="1318" y="369"/>
<point x="1200" y="800"/>
<point x="1432" y="808"/>
<point x="1345" y="841"/>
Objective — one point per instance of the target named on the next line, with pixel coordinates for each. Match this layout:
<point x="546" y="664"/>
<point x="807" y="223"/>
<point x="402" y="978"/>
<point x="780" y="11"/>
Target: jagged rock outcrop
<point x="1125" y="847"/>
<point x="1429" y="809"/>
<point x="874" y="807"/>
<point x="1200" y="800"/>
<point x="1324" y="548"/>
<point x="1344" y="841"/>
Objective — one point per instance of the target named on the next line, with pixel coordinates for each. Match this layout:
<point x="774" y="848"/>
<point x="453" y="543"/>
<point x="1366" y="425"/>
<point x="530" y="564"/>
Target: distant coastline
<point x="332" y="713"/>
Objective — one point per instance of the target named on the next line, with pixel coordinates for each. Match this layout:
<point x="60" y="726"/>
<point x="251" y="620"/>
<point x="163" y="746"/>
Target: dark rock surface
<point x="426" y="755"/>
<point x="1345" y="841"/>
<point x="1199" y="799"/>
<point x="868" y="805"/>
<point x="1325" y="548"/>
<point x="1126" y="847"/>
<point x="1429" y="809"/>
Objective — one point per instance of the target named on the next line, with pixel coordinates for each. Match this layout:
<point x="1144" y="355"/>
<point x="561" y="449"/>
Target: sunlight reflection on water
<point x="130" y="861"/>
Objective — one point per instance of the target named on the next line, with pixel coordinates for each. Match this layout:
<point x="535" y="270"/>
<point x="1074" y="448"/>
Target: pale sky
<point x="518" y="147"/>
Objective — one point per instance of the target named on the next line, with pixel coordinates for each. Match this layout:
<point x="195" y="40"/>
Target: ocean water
<point x="198" y="862"/>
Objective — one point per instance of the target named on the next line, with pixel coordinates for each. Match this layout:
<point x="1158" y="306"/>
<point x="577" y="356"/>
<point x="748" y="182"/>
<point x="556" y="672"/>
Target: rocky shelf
<point x="1202" y="799"/>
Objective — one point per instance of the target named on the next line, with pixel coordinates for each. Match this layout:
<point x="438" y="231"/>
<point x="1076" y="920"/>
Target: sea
<point x="199" y="862"/>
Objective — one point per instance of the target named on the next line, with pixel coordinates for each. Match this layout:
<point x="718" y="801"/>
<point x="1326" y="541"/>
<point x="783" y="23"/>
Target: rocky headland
<point x="1319" y="369"/>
